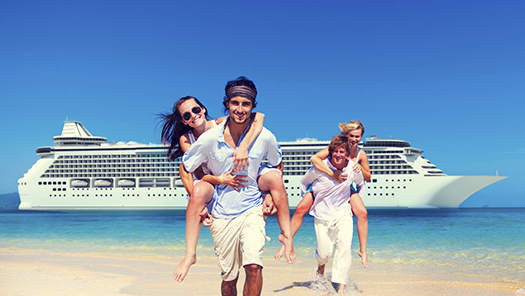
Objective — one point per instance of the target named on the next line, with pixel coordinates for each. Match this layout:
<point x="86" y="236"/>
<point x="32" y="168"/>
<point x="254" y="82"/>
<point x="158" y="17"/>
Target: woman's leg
<point x="201" y="195"/>
<point x="273" y="182"/>
<point x="359" y="210"/>
<point x="297" y="220"/>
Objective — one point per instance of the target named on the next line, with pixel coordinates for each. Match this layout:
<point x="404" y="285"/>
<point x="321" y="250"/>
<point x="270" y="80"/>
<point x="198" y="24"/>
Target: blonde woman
<point x="354" y="131"/>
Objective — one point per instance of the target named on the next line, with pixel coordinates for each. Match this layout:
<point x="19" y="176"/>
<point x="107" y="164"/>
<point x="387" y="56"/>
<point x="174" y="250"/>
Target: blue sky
<point x="447" y="76"/>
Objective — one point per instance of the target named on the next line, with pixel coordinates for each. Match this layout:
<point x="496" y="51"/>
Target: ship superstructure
<point x="85" y="172"/>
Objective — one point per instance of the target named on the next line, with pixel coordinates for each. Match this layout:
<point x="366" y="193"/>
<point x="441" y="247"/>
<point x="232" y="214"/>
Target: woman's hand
<point x="339" y="176"/>
<point x="357" y="168"/>
<point x="232" y="180"/>
<point x="240" y="159"/>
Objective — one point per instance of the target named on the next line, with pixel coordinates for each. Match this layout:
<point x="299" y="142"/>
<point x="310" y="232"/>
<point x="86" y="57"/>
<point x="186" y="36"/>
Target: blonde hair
<point x="352" y="125"/>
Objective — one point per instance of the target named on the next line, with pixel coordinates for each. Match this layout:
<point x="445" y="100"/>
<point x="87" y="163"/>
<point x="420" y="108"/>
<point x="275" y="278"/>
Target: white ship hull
<point x="85" y="173"/>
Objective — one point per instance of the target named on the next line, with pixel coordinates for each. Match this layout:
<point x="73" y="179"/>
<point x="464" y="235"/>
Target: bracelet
<point x="221" y="180"/>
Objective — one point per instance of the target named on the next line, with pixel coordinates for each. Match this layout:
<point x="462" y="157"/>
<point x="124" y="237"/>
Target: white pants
<point x="339" y="232"/>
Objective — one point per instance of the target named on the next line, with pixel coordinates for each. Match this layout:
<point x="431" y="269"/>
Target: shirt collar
<point x="222" y="126"/>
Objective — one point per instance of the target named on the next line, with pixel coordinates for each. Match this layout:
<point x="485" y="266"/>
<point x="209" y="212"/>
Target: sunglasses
<point x="195" y="110"/>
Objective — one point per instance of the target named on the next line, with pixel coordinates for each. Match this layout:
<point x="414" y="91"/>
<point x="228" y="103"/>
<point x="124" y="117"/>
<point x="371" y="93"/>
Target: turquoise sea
<point x="480" y="241"/>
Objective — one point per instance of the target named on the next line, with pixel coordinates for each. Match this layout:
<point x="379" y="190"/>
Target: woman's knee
<point x="361" y="213"/>
<point x="270" y="181"/>
<point x="306" y="203"/>
<point x="202" y="192"/>
<point x="358" y="207"/>
<point x="302" y="209"/>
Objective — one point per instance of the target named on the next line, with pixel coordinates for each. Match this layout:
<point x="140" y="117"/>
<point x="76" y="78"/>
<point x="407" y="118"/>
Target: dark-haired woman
<point x="181" y="129"/>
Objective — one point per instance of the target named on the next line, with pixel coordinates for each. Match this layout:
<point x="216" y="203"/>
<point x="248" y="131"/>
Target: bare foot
<point x="341" y="289"/>
<point x="182" y="269"/>
<point x="279" y="253"/>
<point x="364" y="258"/>
<point x="289" y="252"/>
<point x="320" y="270"/>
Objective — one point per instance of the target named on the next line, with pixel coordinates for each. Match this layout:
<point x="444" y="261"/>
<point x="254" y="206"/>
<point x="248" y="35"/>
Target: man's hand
<point x="206" y="218"/>
<point x="268" y="205"/>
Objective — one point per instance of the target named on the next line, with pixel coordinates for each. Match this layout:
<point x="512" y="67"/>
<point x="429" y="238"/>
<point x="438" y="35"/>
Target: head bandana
<point x="241" y="91"/>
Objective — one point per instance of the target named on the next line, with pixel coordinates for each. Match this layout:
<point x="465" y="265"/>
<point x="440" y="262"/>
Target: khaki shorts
<point x="239" y="242"/>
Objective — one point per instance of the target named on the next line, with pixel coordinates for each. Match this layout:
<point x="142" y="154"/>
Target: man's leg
<point x="252" y="240"/>
<point x="320" y="269"/>
<point x="325" y="244"/>
<point x="225" y="234"/>
<point x="343" y="251"/>
<point x="254" y="280"/>
<point x="229" y="288"/>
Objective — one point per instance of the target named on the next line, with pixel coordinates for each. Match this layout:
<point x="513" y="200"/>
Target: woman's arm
<point x="240" y="157"/>
<point x="220" y="119"/>
<point x="184" y="143"/>
<point x="225" y="179"/>
<point x="363" y="159"/>
<point x="185" y="176"/>
<point x="317" y="161"/>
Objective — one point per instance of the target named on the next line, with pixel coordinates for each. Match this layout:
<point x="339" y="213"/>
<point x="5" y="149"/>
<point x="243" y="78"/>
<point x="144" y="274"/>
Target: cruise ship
<point x="85" y="172"/>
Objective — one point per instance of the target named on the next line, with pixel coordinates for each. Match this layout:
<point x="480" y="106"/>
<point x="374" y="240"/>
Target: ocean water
<point x="481" y="241"/>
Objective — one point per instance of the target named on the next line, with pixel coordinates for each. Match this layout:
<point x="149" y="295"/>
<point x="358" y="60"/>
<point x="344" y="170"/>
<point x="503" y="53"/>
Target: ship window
<point x="374" y="180"/>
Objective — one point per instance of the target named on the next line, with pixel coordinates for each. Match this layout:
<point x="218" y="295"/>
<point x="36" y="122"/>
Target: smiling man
<point x="238" y="228"/>
<point x="333" y="215"/>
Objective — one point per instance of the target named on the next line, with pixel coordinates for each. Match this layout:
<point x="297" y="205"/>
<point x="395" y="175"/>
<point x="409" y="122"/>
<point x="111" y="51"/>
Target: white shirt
<point x="331" y="197"/>
<point x="228" y="203"/>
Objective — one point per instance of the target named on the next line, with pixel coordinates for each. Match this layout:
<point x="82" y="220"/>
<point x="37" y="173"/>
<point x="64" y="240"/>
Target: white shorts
<point x="263" y="169"/>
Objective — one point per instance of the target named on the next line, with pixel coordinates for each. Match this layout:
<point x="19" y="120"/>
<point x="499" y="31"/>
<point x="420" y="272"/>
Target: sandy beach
<point x="36" y="272"/>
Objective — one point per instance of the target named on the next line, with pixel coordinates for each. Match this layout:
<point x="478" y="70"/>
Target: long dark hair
<point x="173" y="128"/>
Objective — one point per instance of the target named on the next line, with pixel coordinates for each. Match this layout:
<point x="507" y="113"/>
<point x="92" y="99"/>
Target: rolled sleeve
<point x="273" y="155"/>
<point x="195" y="156"/>
<point x="308" y="179"/>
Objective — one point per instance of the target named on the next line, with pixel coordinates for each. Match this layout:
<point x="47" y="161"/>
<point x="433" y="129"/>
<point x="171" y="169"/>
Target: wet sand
<point x="36" y="272"/>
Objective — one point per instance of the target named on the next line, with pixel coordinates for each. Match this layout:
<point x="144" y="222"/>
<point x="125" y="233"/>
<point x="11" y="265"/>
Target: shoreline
<point x="24" y="271"/>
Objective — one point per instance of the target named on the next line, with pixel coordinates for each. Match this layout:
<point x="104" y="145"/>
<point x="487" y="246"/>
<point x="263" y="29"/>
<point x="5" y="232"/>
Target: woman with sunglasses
<point x="354" y="130"/>
<point x="181" y="129"/>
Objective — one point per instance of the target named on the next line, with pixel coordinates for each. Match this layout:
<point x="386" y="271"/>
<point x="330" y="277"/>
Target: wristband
<point x="221" y="180"/>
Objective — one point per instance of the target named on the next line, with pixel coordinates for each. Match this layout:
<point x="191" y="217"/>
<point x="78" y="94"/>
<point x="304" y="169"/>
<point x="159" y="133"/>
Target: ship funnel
<point x="74" y="133"/>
